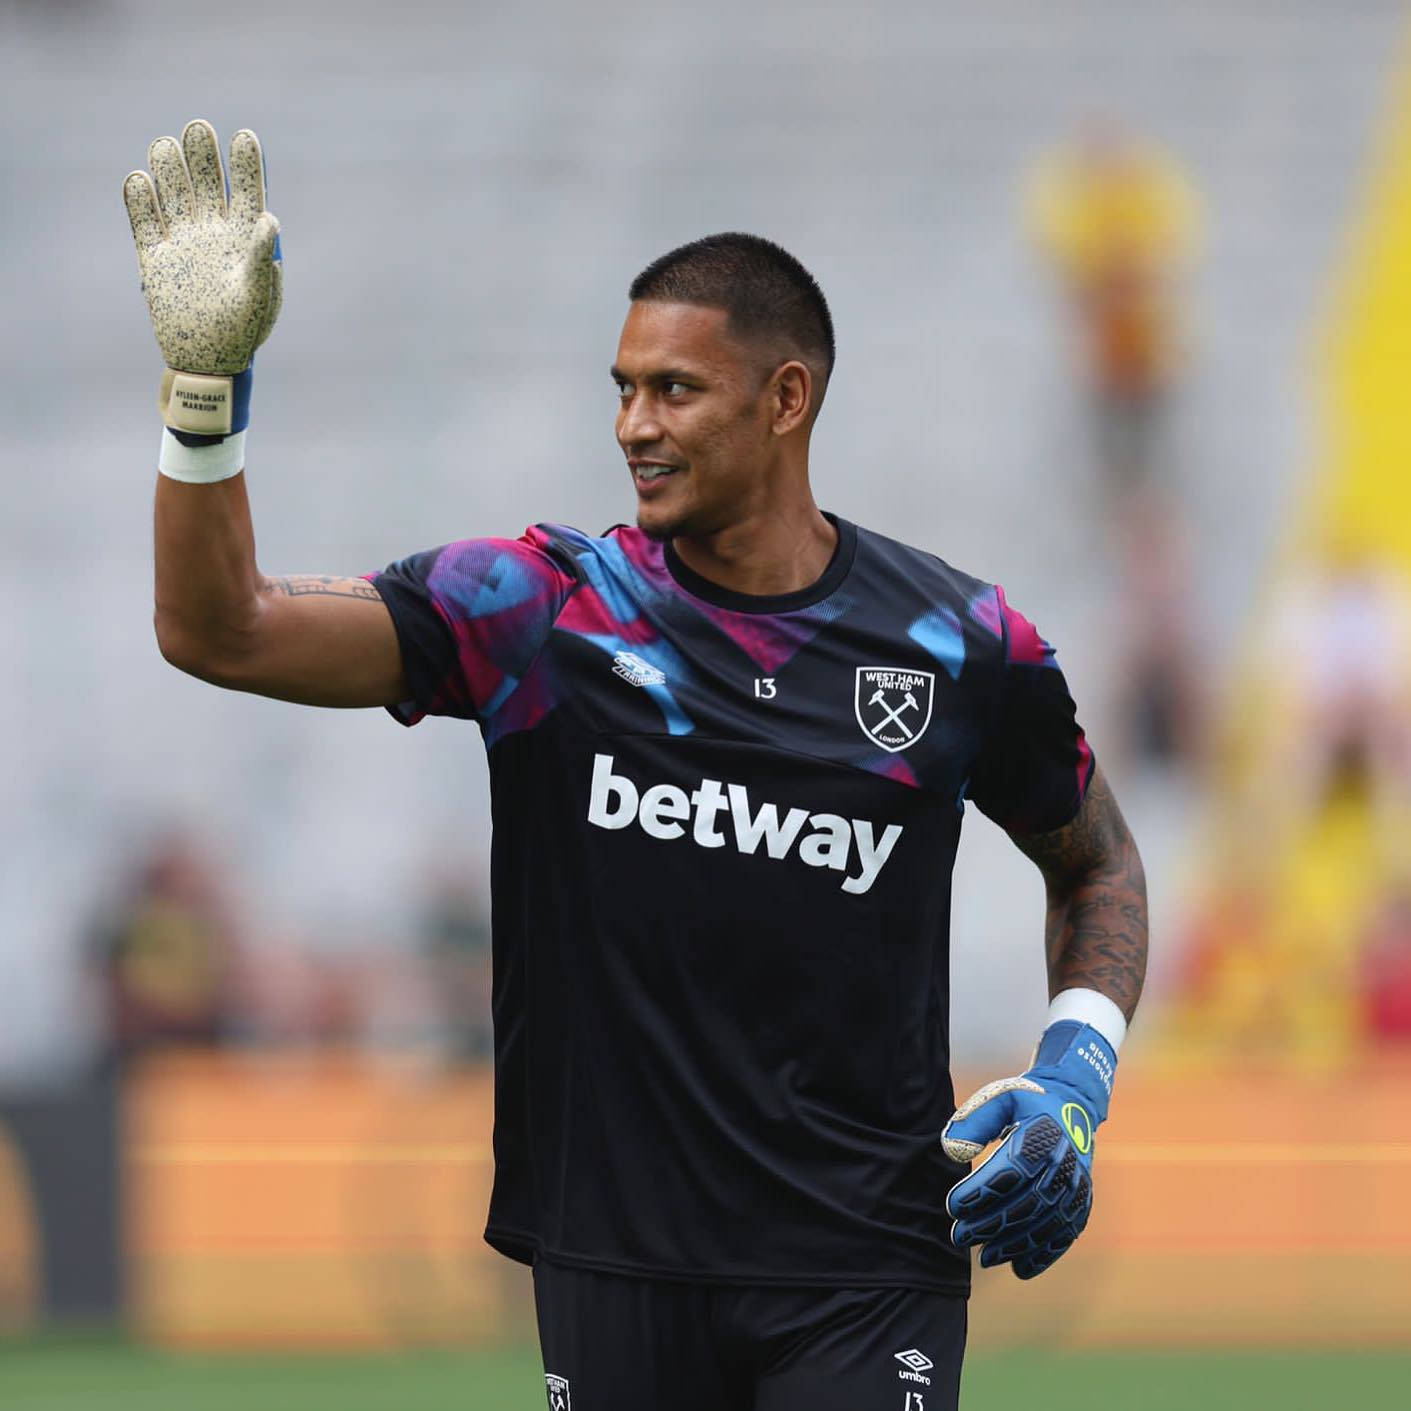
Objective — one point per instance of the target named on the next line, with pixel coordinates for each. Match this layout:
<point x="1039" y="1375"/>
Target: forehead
<point x="660" y="335"/>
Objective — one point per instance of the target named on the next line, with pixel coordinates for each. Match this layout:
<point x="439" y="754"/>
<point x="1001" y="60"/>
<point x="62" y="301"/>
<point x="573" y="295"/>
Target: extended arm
<point x="212" y="277"/>
<point x="1096" y="931"/>
<point x="311" y="639"/>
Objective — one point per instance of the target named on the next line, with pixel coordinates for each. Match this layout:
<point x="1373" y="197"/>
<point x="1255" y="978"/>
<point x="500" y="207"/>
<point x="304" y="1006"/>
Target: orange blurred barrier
<point x="1232" y="1207"/>
<point x="328" y="1200"/>
<point x="19" y="1243"/>
<point x="312" y="1200"/>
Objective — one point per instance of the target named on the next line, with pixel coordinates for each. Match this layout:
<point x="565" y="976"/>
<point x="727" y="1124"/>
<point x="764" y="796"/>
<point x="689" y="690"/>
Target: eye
<point x="624" y="389"/>
<point x="675" y="389"/>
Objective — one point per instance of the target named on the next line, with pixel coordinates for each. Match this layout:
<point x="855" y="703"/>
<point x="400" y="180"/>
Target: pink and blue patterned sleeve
<point x="1035" y="766"/>
<point x="471" y="619"/>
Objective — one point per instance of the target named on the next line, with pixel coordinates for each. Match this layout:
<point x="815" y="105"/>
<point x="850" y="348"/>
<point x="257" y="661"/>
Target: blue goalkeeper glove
<point x="1030" y="1198"/>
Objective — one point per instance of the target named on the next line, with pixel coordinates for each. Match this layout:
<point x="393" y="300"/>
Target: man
<point x="729" y="751"/>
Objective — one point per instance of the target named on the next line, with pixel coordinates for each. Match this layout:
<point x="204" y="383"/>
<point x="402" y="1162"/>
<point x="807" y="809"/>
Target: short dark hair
<point x="765" y="291"/>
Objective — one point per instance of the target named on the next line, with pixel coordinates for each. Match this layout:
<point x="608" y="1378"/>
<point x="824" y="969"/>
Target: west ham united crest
<point x="558" y="1392"/>
<point x="893" y="705"/>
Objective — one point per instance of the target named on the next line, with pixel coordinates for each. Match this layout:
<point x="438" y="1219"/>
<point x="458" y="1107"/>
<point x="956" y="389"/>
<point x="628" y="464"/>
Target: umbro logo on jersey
<point x="893" y="705"/>
<point x="719" y="813"/>
<point x="631" y="667"/>
<point x="915" y="1363"/>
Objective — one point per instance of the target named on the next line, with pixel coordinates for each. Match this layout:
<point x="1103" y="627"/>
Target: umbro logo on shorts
<point x="718" y="813"/>
<point x="915" y="1363"/>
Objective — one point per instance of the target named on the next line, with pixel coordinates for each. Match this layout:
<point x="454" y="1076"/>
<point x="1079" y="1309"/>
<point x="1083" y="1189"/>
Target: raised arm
<point x="213" y="280"/>
<point x="1096" y="931"/>
<point x="312" y="639"/>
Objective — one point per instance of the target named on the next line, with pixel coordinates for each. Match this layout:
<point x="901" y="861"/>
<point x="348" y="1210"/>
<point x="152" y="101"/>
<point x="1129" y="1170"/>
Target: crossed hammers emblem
<point x="893" y="717"/>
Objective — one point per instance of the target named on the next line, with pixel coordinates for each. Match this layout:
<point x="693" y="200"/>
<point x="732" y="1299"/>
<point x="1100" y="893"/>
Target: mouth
<point x="646" y="473"/>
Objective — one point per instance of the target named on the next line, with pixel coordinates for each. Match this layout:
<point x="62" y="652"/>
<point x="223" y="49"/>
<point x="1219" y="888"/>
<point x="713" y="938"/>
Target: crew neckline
<point x="832" y="576"/>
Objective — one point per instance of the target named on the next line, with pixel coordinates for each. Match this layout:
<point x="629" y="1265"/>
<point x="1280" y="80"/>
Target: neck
<point x="764" y="554"/>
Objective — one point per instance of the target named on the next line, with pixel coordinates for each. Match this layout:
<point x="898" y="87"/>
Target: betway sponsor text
<point x="715" y="813"/>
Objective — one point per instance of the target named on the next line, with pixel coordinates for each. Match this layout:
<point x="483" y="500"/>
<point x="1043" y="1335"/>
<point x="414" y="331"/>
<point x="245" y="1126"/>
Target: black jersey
<point x="724" y="828"/>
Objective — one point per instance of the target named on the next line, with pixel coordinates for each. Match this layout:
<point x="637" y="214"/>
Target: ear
<point x="791" y="397"/>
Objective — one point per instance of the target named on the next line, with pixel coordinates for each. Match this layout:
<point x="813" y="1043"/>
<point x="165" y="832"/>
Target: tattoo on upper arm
<point x="1096" y="933"/>
<point x="303" y="584"/>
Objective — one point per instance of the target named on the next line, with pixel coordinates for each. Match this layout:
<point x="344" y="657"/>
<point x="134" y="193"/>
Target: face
<point x="696" y="419"/>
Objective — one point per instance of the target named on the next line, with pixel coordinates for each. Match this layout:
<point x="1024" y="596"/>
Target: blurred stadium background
<point x="1124" y="307"/>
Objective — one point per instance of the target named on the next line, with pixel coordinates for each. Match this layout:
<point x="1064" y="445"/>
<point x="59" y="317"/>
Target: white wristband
<point x="1090" y="1007"/>
<point x="201" y="465"/>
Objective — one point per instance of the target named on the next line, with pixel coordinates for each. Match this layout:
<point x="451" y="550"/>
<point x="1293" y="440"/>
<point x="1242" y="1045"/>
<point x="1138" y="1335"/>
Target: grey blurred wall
<point x="465" y="192"/>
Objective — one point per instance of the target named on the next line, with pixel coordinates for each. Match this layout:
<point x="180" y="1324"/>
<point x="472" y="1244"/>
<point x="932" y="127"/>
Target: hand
<point x="211" y="272"/>
<point x="1030" y="1198"/>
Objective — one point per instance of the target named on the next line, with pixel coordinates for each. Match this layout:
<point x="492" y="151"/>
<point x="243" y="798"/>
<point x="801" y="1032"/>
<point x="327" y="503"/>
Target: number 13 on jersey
<point x="764" y="688"/>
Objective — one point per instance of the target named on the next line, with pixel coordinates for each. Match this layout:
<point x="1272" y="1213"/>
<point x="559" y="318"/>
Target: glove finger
<point x="247" y="177"/>
<point x="1030" y="1241"/>
<point x="276" y="296"/>
<point x="142" y="212"/>
<point x="977" y="1225"/>
<point x="1061" y="1179"/>
<point x="201" y="148"/>
<point x="1008" y="1211"/>
<point x="265" y="269"/>
<point x="982" y="1117"/>
<point x="1081" y="1201"/>
<point x="1001" y="1252"/>
<point x="172" y="180"/>
<point x="1013" y="1245"/>
<point x="986" y="1188"/>
<point x="1033" y="1263"/>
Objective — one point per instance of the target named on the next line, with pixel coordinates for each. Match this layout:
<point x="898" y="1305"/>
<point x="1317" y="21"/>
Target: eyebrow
<point x="670" y="374"/>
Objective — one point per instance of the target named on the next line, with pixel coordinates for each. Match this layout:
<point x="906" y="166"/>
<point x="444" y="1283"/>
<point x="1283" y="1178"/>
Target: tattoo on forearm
<point x="1096" y="931"/>
<point x="302" y="584"/>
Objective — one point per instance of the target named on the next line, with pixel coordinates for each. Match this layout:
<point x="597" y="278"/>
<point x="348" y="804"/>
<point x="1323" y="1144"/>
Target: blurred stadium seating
<point x="465" y="192"/>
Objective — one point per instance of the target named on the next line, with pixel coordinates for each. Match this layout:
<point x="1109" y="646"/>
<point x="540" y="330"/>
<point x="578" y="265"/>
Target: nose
<point x="637" y="424"/>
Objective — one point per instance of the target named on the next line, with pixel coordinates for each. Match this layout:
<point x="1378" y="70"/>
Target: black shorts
<point x="616" y="1343"/>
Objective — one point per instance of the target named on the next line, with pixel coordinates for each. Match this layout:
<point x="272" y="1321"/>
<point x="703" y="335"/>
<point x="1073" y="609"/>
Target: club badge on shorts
<point x="558" y="1392"/>
<point x="893" y="705"/>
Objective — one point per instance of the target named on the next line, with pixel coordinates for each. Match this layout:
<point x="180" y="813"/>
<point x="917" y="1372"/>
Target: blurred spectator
<point x="1342" y="634"/>
<point x="1386" y="972"/>
<point x="292" y="997"/>
<point x="1119" y="221"/>
<point x="455" y="939"/>
<point x="167" y="952"/>
<point x="1303" y="946"/>
<point x="1161" y="700"/>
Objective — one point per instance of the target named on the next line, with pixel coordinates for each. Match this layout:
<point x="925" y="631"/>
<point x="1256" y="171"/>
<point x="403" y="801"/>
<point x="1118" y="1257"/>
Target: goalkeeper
<point x="730" y="749"/>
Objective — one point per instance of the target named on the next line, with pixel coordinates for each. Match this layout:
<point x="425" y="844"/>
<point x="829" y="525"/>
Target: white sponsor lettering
<point x="830" y="844"/>
<point x="849" y="846"/>
<point x="663" y="801"/>
<point x="778" y="838"/>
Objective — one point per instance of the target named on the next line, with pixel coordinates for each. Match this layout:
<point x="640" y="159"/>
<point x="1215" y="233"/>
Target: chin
<point x="661" y="527"/>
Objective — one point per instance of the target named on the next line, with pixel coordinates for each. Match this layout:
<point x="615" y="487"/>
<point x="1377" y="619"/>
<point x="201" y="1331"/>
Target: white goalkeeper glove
<point x="212" y="277"/>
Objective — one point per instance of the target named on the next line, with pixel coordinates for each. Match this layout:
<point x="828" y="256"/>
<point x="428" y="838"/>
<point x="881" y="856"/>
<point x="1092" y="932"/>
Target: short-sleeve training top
<point x="724" y="828"/>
